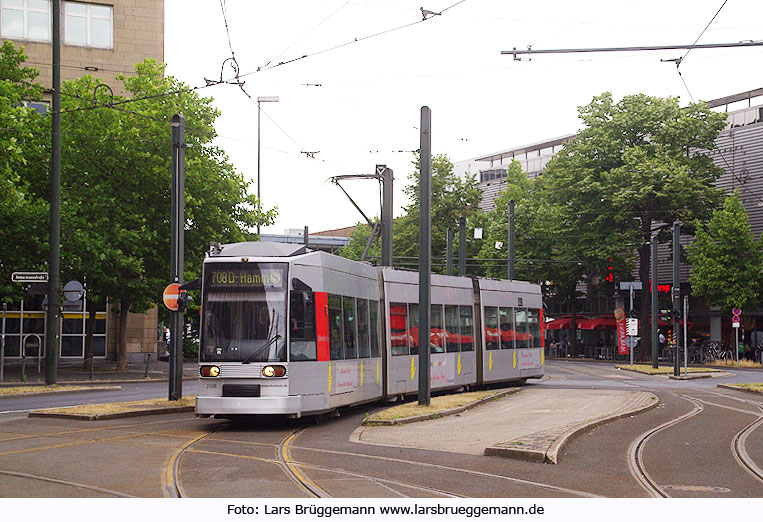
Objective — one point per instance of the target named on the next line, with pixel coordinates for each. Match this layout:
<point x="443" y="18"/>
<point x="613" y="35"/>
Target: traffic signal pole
<point x="425" y="252"/>
<point x="655" y="313"/>
<point x="676" y="304"/>
<point x="177" y="247"/>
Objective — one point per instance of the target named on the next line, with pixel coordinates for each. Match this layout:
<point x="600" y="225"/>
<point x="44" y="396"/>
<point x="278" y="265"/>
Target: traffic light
<point x="183" y="301"/>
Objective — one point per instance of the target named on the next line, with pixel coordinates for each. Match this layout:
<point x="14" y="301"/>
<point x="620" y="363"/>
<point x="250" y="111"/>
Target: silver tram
<point x="287" y="331"/>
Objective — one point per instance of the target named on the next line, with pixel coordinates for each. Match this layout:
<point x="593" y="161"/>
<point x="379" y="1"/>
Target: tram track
<point x="78" y="485"/>
<point x="636" y="452"/>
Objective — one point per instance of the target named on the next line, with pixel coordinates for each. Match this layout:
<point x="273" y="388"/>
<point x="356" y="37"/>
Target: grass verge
<point x="754" y="387"/>
<point x="662" y="370"/>
<point x="437" y="406"/>
<point x="18" y="390"/>
<point x="122" y="407"/>
<point x="743" y="363"/>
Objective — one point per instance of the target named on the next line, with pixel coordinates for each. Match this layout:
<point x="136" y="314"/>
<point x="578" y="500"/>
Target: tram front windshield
<point x="244" y="312"/>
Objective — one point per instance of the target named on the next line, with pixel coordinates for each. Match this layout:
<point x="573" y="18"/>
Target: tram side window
<point x="398" y="328"/>
<point x="413" y="328"/>
<point x="364" y="349"/>
<point x="374" y="328"/>
<point x="302" y="345"/>
<point x="466" y="325"/>
<point x="336" y="350"/>
<point x="350" y="326"/>
<point x="522" y="334"/>
<point x="492" y="333"/>
<point x="436" y="330"/>
<point x="451" y="328"/>
<point x="533" y="317"/>
<point x="506" y="320"/>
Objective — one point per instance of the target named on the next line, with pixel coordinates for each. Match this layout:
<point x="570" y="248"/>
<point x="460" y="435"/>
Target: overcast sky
<point x="367" y="105"/>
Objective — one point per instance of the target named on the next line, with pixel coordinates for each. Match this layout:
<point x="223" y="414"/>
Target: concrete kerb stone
<point x="109" y="416"/>
<point x="452" y="411"/>
<point x="47" y="392"/>
<point x="737" y="388"/>
<point x="551" y="455"/>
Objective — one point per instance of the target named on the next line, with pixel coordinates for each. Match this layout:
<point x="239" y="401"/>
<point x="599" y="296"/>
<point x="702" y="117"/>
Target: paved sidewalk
<point x="534" y="424"/>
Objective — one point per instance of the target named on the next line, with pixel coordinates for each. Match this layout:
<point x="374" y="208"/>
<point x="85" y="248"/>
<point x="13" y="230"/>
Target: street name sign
<point x="29" y="277"/>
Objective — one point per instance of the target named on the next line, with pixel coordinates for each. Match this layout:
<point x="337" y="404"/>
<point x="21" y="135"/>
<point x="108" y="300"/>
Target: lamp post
<point x="260" y="99"/>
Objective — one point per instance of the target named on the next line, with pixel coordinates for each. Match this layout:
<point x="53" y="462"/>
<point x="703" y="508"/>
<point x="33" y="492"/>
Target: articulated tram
<point x="287" y="331"/>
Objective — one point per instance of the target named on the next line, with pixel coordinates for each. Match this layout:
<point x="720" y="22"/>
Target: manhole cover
<point x="698" y="489"/>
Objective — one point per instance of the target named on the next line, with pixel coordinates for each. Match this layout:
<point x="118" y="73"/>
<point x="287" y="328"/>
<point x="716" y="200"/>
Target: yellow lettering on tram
<point x="329" y="377"/>
<point x="459" y="364"/>
<point x="377" y="371"/>
<point x="413" y="367"/>
<point x="542" y="358"/>
<point x="361" y="374"/>
<point x="490" y="362"/>
<point x="515" y="359"/>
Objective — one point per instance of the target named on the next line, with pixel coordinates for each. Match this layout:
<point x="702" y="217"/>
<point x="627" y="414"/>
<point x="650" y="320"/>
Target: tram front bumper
<point x="289" y="405"/>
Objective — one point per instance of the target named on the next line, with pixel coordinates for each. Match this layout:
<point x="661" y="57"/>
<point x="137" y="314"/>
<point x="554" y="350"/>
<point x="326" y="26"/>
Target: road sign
<point x="630" y="285"/>
<point x="29" y="277"/>
<point x="73" y="291"/>
<point x="631" y="326"/>
<point x="735" y="312"/>
<point x="170" y="296"/>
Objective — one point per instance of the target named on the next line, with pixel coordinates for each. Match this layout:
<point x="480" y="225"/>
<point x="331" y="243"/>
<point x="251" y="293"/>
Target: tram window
<point x="451" y="328"/>
<point x="522" y="335"/>
<point x="363" y="347"/>
<point x="336" y="350"/>
<point x="506" y="320"/>
<point x="466" y="325"/>
<point x="413" y="327"/>
<point x="533" y="319"/>
<point x="436" y="330"/>
<point x="302" y="345"/>
<point x="491" y="328"/>
<point x="350" y="328"/>
<point x="398" y="329"/>
<point x="374" y="327"/>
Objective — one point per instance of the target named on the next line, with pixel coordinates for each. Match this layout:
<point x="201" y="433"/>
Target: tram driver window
<point x="302" y="345"/>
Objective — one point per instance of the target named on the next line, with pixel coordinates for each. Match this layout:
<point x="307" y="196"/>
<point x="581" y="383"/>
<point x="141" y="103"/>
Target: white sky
<point x="372" y="91"/>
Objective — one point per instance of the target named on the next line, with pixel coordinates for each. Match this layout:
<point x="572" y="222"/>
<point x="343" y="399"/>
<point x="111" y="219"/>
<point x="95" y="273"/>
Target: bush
<point x="191" y="348"/>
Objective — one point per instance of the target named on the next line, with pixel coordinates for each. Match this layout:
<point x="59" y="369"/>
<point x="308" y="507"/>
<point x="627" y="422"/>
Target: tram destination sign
<point x="29" y="277"/>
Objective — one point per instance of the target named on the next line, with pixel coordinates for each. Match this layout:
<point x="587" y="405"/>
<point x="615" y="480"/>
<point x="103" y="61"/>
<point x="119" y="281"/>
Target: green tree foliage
<point x="23" y="207"/>
<point x="726" y="259"/>
<point x="452" y="197"/>
<point x="636" y="167"/>
<point x="116" y="188"/>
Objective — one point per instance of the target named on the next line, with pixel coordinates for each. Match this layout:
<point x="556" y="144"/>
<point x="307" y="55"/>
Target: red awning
<point x="598" y="323"/>
<point x="562" y="323"/>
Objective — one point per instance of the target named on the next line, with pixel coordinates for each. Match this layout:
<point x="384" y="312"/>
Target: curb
<point x="49" y="392"/>
<point x="692" y="375"/>
<point x="551" y="455"/>
<point x="437" y="415"/>
<point x="108" y="416"/>
<point x="732" y="387"/>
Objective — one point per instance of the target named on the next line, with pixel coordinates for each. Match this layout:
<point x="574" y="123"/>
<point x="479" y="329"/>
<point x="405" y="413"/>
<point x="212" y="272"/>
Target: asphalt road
<point x="178" y="454"/>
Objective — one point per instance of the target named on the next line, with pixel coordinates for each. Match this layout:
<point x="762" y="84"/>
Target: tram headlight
<point x="274" y="371"/>
<point x="209" y="371"/>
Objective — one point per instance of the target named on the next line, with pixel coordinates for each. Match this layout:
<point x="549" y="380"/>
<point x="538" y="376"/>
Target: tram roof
<point x="260" y="249"/>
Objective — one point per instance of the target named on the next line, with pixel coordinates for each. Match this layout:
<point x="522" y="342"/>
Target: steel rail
<point x="66" y="483"/>
<point x="171" y="483"/>
<point x="739" y="449"/>
<point x="636" y="452"/>
<point x="290" y="467"/>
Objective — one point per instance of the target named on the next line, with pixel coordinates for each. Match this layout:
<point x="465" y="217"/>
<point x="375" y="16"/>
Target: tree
<point x="116" y="188"/>
<point x="452" y="197"/>
<point x="726" y="259"/>
<point x="23" y="207"/>
<point x="637" y="167"/>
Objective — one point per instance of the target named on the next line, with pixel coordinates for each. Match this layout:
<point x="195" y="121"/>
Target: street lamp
<point x="261" y="99"/>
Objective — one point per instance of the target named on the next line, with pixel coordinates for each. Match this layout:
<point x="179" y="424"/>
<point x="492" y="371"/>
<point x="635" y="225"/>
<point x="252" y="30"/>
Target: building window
<point x="89" y="25"/>
<point x="26" y="19"/>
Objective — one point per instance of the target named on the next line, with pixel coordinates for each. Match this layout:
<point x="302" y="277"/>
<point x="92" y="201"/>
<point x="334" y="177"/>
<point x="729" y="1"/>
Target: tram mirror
<point x="300" y="286"/>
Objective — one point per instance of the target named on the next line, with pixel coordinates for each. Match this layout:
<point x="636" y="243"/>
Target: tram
<point x="292" y="332"/>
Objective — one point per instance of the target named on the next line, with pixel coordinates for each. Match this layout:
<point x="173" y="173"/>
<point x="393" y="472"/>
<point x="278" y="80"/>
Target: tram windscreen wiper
<point x="259" y="350"/>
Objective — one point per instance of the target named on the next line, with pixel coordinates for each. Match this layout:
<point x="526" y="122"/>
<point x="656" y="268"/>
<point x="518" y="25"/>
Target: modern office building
<point x="102" y="38"/>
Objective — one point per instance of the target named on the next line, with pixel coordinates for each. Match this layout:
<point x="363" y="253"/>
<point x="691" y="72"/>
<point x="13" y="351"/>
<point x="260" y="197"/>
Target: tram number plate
<point x="241" y="390"/>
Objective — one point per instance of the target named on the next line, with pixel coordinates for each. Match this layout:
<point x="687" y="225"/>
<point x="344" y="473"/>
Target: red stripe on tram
<point x="542" y="331"/>
<point x="322" y="324"/>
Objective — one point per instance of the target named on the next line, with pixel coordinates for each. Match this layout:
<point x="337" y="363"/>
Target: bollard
<point x="148" y="360"/>
<point x="23" y="368"/>
<point x="91" y="366"/>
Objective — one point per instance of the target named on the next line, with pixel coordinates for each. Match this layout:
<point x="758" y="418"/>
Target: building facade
<point x="739" y="152"/>
<point x="104" y="39"/>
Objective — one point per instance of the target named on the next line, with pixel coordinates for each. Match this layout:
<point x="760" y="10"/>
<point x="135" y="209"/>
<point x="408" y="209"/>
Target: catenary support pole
<point x="2" y="343"/>
<point x="449" y="252"/>
<point x="386" y="213"/>
<point x="686" y="336"/>
<point x="653" y="294"/>
<point x="51" y="318"/>
<point x="176" y="253"/>
<point x="511" y="239"/>
<point x="425" y="251"/>
<point x="676" y="299"/>
<point x="462" y="245"/>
